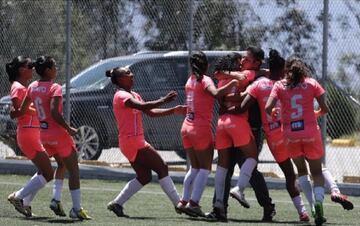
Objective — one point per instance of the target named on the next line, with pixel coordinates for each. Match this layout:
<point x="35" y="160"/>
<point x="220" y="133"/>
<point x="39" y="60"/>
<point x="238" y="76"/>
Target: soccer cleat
<point x="269" y="213"/>
<point x="239" y="196"/>
<point x="56" y="206"/>
<point x="319" y="214"/>
<point x="342" y="200"/>
<point x="217" y="214"/>
<point x="180" y="207"/>
<point x="117" y="209"/>
<point x="194" y="210"/>
<point x="18" y="204"/>
<point x="29" y="211"/>
<point x="80" y="214"/>
<point x="304" y="217"/>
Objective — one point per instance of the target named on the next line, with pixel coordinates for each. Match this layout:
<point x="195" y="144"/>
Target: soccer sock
<point x="57" y="189"/>
<point x="168" y="187"/>
<point x="199" y="184"/>
<point x="299" y="204"/>
<point x="35" y="184"/>
<point x="188" y="183"/>
<point x="220" y="178"/>
<point x="319" y="194"/>
<point x="245" y="173"/>
<point x="330" y="181"/>
<point x="75" y="197"/>
<point x="28" y="199"/>
<point x="306" y="187"/>
<point x="129" y="190"/>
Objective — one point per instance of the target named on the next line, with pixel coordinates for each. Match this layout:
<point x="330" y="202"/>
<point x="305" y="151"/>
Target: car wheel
<point x="88" y="143"/>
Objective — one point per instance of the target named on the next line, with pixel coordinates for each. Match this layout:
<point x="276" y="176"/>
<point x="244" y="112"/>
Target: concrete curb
<point x="25" y="167"/>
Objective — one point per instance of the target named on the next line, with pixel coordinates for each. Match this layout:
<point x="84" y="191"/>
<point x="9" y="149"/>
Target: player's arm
<point x="235" y="97"/>
<point x="323" y="107"/>
<point x="238" y="75"/>
<point x="270" y="104"/>
<point x="220" y="92"/>
<point x="158" y="112"/>
<point x="246" y="103"/>
<point x="148" y="105"/>
<point x="57" y="116"/>
<point x="19" y="109"/>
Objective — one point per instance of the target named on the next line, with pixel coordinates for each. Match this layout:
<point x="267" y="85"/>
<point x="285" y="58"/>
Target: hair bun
<point x="273" y="53"/>
<point x="108" y="73"/>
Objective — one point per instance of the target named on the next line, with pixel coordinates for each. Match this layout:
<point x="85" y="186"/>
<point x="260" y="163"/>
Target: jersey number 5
<point x="296" y="106"/>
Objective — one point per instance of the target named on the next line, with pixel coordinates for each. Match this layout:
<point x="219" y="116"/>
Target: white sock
<point x="188" y="183"/>
<point x="34" y="185"/>
<point x="169" y="188"/>
<point x="75" y="197"/>
<point x="220" y="177"/>
<point x="245" y="173"/>
<point x="299" y="204"/>
<point x="129" y="190"/>
<point x="57" y="189"/>
<point x="319" y="193"/>
<point x="28" y="199"/>
<point x="306" y="187"/>
<point x="199" y="184"/>
<point x="330" y="181"/>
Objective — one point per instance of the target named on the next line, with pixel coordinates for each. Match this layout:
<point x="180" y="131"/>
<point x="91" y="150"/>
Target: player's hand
<point x="275" y="112"/>
<point x="73" y="131"/>
<point x="170" y="96"/>
<point x="180" y="109"/>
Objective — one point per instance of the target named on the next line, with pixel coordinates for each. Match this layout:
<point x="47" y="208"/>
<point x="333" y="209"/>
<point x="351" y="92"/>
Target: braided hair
<point x="198" y="64"/>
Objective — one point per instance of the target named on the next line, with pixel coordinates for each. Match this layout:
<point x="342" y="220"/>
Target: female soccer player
<point x="303" y="139"/>
<point x="55" y="133"/>
<point x="128" y="107"/>
<point x="196" y="131"/>
<point x="259" y="92"/>
<point x="19" y="71"/>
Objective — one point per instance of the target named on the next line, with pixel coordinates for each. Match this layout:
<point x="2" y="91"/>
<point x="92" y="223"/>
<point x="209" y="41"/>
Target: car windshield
<point x="94" y="76"/>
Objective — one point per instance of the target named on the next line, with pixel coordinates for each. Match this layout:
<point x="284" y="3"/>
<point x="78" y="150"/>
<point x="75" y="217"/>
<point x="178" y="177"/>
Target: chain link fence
<point x="103" y="29"/>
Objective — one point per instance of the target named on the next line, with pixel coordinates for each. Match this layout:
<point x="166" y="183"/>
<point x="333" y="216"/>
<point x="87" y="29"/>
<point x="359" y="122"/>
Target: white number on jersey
<point x="299" y="109"/>
<point x="39" y="109"/>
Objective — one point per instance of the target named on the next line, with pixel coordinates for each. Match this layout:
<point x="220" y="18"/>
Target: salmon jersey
<point x="41" y="93"/>
<point x="28" y="120"/>
<point x="297" y="109"/>
<point x="260" y="90"/>
<point x="129" y="120"/>
<point x="199" y="102"/>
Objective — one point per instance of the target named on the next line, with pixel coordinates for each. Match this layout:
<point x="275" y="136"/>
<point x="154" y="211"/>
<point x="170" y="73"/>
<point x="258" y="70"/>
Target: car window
<point x="155" y="74"/>
<point x="95" y="75"/>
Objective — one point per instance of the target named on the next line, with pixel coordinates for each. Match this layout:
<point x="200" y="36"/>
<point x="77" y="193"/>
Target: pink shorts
<point x="198" y="138"/>
<point x="29" y="142"/>
<point x="277" y="146"/>
<point x="311" y="148"/>
<point x="57" y="142"/>
<point x="130" y="146"/>
<point x="232" y="131"/>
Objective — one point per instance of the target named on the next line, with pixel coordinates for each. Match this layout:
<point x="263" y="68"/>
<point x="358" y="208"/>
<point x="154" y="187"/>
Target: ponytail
<point x="198" y="64"/>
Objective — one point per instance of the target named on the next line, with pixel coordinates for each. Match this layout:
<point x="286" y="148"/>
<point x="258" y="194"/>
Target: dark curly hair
<point x="42" y="63"/>
<point x="296" y="71"/>
<point x="229" y="62"/>
<point x="276" y="63"/>
<point x="12" y="68"/>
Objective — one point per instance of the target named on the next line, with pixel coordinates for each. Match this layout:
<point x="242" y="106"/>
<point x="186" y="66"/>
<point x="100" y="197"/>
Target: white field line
<point x="252" y="199"/>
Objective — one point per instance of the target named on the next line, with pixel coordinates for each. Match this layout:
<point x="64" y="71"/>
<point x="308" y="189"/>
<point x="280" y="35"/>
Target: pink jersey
<point x="129" y="120"/>
<point x="27" y="120"/>
<point x="200" y="103"/>
<point x="260" y="90"/>
<point x="297" y="109"/>
<point x="41" y="92"/>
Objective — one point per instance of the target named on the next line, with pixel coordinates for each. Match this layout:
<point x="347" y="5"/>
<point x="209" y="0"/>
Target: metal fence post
<point x="324" y="68"/>
<point x="68" y="60"/>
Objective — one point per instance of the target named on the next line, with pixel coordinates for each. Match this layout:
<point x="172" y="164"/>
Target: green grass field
<point x="151" y="207"/>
